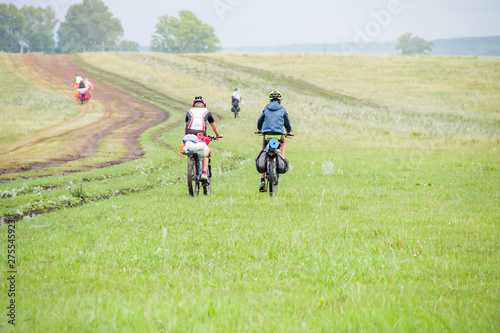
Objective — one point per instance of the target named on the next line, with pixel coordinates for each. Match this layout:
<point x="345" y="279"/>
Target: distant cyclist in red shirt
<point x="196" y="122"/>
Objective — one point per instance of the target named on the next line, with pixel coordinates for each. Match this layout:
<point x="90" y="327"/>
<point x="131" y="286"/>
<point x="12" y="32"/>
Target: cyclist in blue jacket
<point x="271" y="122"/>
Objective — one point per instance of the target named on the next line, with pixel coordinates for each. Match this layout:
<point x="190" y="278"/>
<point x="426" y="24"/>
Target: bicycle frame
<point x="271" y="175"/>
<point x="195" y="167"/>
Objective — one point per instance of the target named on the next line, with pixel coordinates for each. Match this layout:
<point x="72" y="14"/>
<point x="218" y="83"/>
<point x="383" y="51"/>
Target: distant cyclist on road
<point x="76" y="82"/>
<point x="236" y="99"/>
<point x="82" y="85"/>
<point x="196" y="122"/>
<point x="78" y="79"/>
<point x="89" y="85"/>
<point x="271" y="122"/>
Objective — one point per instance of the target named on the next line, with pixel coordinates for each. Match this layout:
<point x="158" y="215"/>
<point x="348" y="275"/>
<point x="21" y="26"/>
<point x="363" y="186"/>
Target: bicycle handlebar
<point x="214" y="138"/>
<point x="286" y="135"/>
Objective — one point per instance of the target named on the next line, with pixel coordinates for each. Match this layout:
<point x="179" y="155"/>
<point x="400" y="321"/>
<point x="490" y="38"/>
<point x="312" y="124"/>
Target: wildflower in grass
<point x="327" y="168"/>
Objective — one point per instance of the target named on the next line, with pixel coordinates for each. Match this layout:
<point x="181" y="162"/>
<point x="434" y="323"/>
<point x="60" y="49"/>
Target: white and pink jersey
<point x="196" y="120"/>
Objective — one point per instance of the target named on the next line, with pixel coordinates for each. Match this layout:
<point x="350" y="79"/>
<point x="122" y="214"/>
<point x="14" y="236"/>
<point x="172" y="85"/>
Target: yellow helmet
<point x="275" y="95"/>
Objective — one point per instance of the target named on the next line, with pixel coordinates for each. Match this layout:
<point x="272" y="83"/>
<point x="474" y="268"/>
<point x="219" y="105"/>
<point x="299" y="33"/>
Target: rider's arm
<point x="211" y="121"/>
<point x="217" y="135"/>
<point x="288" y="127"/>
<point x="260" y="122"/>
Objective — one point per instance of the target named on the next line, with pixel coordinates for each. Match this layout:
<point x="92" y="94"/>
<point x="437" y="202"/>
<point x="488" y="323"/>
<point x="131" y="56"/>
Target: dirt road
<point x="124" y="119"/>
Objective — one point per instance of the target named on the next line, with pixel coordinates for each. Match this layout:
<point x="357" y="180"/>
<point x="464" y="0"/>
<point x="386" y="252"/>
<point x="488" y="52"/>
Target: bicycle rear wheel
<point x="273" y="177"/>
<point x="192" y="177"/>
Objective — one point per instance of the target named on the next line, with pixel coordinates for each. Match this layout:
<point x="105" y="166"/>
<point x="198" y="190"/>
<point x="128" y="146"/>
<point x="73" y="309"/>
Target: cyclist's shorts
<point x="267" y="137"/>
<point x="195" y="132"/>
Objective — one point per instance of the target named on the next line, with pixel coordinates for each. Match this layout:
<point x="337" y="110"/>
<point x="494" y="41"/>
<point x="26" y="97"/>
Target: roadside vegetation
<point x="387" y="220"/>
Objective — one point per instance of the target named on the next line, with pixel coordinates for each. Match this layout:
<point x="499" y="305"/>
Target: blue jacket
<point x="273" y="118"/>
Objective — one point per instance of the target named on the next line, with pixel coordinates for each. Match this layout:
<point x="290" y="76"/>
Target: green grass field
<point x="387" y="221"/>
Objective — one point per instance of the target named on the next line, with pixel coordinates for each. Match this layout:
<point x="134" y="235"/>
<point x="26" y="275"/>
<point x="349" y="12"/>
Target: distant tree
<point x="39" y="27"/>
<point x="413" y="45"/>
<point x="184" y="34"/>
<point x="12" y="27"/>
<point x="128" y="45"/>
<point x="89" y="26"/>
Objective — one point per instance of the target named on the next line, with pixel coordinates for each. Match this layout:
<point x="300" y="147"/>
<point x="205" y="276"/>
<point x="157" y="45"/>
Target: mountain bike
<point x="83" y="96"/>
<point x="236" y="108"/>
<point x="195" y="168"/>
<point x="271" y="173"/>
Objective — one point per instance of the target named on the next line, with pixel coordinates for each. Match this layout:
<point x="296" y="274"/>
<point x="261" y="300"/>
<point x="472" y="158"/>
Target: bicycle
<point x="195" y="167"/>
<point x="271" y="171"/>
<point x="236" y="111"/>
<point x="236" y="107"/>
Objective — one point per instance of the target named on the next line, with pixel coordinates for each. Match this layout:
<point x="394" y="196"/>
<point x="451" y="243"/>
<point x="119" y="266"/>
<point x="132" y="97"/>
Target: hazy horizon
<point x="244" y="23"/>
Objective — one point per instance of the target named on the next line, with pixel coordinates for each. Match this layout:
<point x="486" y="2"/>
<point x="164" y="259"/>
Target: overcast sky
<point x="284" y="22"/>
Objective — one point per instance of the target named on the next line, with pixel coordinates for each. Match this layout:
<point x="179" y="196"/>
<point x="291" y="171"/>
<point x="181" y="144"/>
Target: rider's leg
<point x="205" y="164"/>
<point x="262" y="185"/>
<point x="283" y="146"/>
<point x="204" y="173"/>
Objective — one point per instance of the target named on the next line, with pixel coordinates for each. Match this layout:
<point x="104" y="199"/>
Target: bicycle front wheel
<point x="207" y="187"/>
<point x="273" y="177"/>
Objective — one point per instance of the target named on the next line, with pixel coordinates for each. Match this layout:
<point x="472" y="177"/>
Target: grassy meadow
<point x="387" y="221"/>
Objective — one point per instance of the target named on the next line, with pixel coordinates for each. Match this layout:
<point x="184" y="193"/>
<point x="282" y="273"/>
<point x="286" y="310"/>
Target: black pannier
<point x="283" y="164"/>
<point x="261" y="162"/>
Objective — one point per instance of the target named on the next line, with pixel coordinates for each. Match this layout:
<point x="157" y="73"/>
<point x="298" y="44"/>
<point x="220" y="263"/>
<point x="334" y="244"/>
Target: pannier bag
<point x="261" y="162"/>
<point x="189" y="137"/>
<point x="283" y="164"/>
<point x="193" y="144"/>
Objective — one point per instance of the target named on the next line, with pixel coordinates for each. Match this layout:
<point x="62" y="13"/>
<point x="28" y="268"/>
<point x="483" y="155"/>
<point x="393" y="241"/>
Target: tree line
<point x="90" y="26"/>
<point x="29" y="28"/>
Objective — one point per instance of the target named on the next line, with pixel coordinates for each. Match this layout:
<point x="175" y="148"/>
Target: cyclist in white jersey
<point x="196" y="122"/>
